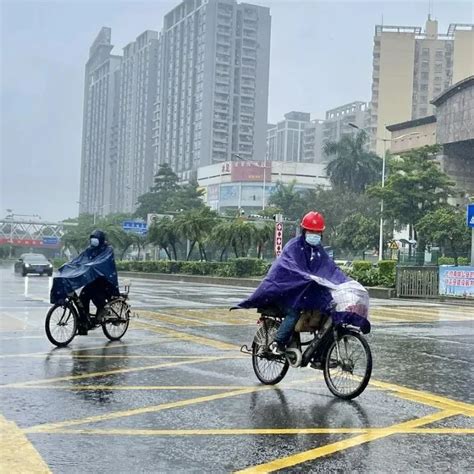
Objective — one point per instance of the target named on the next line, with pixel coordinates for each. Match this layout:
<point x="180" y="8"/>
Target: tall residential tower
<point x="213" y="84"/>
<point x="410" y="67"/>
<point x="99" y="125"/>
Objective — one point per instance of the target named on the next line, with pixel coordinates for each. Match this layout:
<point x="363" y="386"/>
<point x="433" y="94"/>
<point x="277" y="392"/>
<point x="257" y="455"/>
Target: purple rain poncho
<point x="290" y="283"/>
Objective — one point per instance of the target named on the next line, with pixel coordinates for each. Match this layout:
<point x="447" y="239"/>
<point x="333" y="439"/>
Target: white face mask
<point x="313" y="239"/>
<point x="94" y="242"/>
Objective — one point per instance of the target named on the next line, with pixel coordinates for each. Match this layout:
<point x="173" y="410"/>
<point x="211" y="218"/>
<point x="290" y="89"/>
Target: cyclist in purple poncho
<point x="301" y="278"/>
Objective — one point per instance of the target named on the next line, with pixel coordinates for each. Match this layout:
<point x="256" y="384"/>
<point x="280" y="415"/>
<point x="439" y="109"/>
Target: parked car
<point x="33" y="263"/>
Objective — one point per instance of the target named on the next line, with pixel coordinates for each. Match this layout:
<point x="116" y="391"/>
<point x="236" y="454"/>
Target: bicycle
<point x="340" y="351"/>
<point x="62" y="320"/>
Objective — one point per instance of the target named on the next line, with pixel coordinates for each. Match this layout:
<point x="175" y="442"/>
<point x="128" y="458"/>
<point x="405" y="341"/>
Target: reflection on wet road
<point x="176" y="395"/>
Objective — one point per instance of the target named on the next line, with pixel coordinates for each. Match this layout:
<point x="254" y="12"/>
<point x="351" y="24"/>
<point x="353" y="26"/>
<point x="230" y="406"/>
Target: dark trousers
<point x="99" y="292"/>
<point x="285" y="331"/>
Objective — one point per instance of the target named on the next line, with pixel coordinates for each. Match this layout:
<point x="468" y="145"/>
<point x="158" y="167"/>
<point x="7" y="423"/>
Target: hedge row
<point x="383" y="274"/>
<point x="239" y="267"/>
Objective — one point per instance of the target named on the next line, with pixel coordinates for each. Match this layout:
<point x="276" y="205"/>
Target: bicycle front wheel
<point x="61" y="324"/>
<point x="116" y="316"/>
<point x="348" y="365"/>
<point x="268" y="367"/>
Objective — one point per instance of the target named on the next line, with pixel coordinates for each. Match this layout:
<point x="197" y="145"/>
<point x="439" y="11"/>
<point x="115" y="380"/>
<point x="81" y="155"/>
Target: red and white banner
<point x="278" y="238"/>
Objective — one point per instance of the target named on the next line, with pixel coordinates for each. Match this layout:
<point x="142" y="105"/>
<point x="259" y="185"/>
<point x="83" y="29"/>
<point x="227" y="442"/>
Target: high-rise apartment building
<point x="212" y="84"/>
<point x="313" y="142"/>
<point x="99" y="125"/>
<point x="338" y="119"/>
<point x="410" y="67"/>
<point x="285" y="140"/>
<point x="192" y="95"/>
<point x="133" y="168"/>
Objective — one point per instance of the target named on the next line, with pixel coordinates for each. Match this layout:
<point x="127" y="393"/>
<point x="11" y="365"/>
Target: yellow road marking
<point x="190" y="337"/>
<point x="331" y="448"/>
<point x="36" y="355"/>
<point x="259" y="431"/>
<point x="115" y="371"/>
<point x="137" y="387"/>
<point x="68" y="351"/>
<point x="50" y="427"/>
<point x="426" y="398"/>
<point x="416" y="315"/>
<point x="17" y="454"/>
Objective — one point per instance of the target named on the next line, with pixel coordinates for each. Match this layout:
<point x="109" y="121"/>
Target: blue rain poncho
<point x="305" y="277"/>
<point x="93" y="263"/>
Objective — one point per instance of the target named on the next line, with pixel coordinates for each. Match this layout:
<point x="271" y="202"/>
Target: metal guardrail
<point x="417" y="282"/>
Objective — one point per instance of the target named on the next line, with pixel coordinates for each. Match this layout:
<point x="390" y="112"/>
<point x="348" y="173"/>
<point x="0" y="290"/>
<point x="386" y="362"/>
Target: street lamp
<point x="384" y="140"/>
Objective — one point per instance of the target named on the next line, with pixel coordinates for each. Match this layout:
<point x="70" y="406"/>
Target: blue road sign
<point x="137" y="227"/>
<point x="470" y="215"/>
<point x="50" y="240"/>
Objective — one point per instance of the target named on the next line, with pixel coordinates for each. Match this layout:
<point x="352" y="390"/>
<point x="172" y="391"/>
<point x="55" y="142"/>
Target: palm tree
<point x="222" y="235"/>
<point x="288" y="200"/>
<point x="163" y="234"/>
<point x="242" y="236"/>
<point x="263" y="235"/>
<point x="195" y="226"/>
<point x="353" y="167"/>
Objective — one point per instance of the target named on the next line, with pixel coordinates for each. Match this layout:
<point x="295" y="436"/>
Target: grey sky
<point x="321" y="58"/>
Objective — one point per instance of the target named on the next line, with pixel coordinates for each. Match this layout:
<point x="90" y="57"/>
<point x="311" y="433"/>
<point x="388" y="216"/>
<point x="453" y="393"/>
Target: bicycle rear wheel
<point x="116" y="315"/>
<point x="61" y="324"/>
<point x="348" y="365"/>
<point x="268" y="367"/>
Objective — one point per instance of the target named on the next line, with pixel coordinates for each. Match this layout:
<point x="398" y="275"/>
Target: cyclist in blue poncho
<point x="95" y="272"/>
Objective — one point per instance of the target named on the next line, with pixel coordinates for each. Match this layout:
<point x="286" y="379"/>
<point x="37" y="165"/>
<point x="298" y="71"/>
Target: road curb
<point x="380" y="293"/>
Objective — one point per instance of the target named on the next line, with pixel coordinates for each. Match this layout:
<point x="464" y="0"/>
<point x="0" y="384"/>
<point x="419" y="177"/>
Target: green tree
<point x="163" y="234"/>
<point x="77" y="232"/>
<point x="446" y="227"/>
<point x="416" y="186"/>
<point x="337" y="206"/>
<point x="195" y="226"/>
<point x="262" y="236"/>
<point x="222" y="235"/>
<point x="357" y="232"/>
<point x="188" y="196"/>
<point x="288" y="200"/>
<point x="352" y="167"/>
<point x="161" y="195"/>
<point x="242" y="236"/>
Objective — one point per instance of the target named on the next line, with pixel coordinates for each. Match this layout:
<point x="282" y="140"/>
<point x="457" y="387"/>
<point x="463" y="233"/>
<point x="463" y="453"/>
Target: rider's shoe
<point x="82" y="331"/>
<point x="277" y="348"/>
<point x="316" y="365"/>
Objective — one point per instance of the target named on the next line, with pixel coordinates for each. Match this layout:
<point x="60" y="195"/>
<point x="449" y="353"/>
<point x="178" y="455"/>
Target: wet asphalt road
<point x="176" y="395"/>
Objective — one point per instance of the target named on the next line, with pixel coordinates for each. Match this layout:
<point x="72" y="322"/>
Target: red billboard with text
<point x="251" y="171"/>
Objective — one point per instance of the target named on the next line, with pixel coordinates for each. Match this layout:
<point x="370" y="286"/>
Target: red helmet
<point x="313" y="221"/>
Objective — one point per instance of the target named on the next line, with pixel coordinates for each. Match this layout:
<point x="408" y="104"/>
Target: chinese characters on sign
<point x="249" y="170"/>
<point x="456" y="281"/>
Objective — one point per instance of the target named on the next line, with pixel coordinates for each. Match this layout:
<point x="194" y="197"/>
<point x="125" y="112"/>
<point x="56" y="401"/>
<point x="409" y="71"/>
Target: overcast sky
<point x="321" y="55"/>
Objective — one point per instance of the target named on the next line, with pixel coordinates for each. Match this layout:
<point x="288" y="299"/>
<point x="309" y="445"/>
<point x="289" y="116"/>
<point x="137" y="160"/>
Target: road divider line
<point x="426" y="398"/>
<point x="258" y="431"/>
<point x="190" y="337"/>
<point x="338" y="446"/>
<point x="69" y="351"/>
<point x="138" y="387"/>
<point x="52" y="427"/>
<point x="115" y="371"/>
<point x="17" y="453"/>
